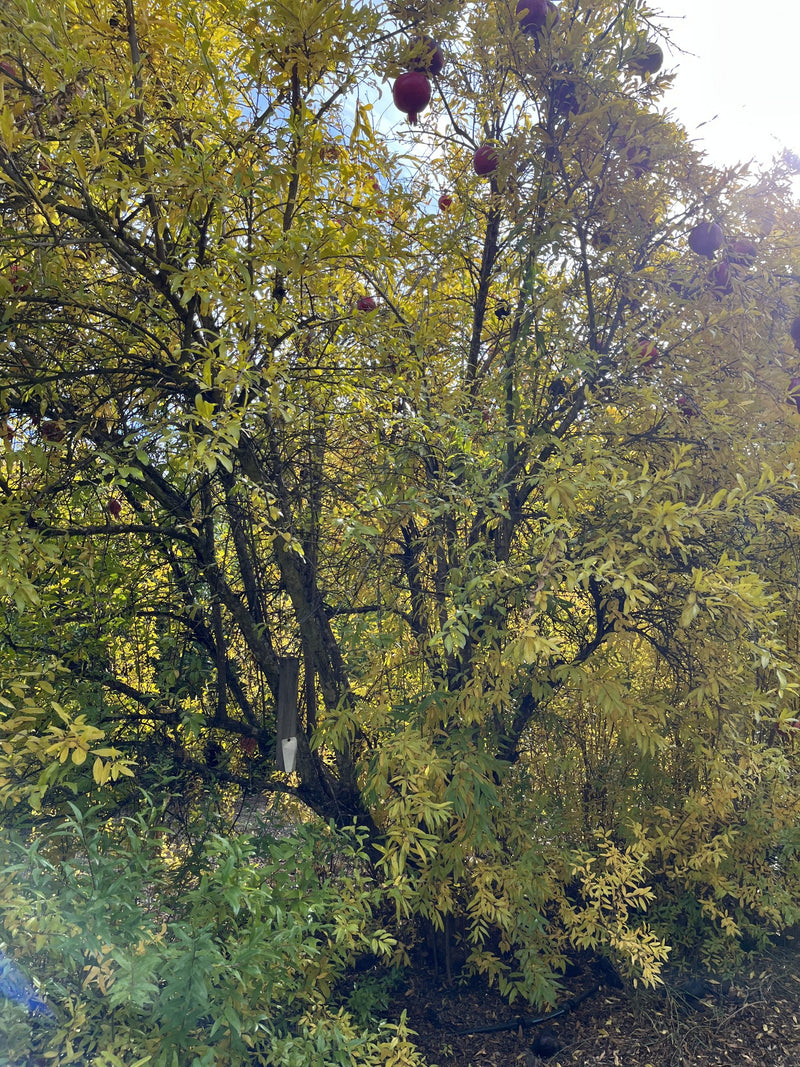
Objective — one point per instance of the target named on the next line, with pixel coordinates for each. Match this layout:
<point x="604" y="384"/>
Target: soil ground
<point x="755" y="1022"/>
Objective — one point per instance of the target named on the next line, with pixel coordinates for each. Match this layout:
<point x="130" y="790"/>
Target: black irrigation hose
<point x="520" y="1021"/>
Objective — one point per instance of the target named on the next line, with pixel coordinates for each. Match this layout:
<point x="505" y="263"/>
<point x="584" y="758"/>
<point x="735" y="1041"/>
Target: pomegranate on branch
<point x="705" y="239"/>
<point x="412" y="94"/>
<point x="485" y="160"/>
<point x="647" y="60"/>
<point x="425" y="57"/>
<point x="533" y="15"/>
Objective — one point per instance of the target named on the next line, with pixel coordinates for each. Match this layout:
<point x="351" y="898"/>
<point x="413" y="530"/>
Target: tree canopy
<point x="500" y="461"/>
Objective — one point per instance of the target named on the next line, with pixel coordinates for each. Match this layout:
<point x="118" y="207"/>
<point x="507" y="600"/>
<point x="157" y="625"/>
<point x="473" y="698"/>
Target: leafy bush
<point x="239" y="967"/>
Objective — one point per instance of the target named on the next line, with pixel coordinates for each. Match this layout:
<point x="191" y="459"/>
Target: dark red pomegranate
<point x="248" y="746"/>
<point x="639" y="158"/>
<point x="485" y="160"/>
<point x="412" y="94"/>
<point x="564" y="97"/>
<point x="705" y="239"/>
<point x="114" y="507"/>
<point x="647" y="60"/>
<point x="533" y="15"/>
<point x="425" y="56"/>
<point x="445" y="202"/>
<point x="52" y="431"/>
<point x="741" y="251"/>
<point x="18" y="278"/>
<point x="687" y="407"/>
<point x="8" y="70"/>
<point x="794" y="332"/>
<point x="366" y="303"/>
<point x="720" y="279"/>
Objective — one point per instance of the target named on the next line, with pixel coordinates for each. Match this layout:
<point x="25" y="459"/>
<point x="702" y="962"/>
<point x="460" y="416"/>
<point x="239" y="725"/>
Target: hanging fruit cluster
<point x="705" y="239"/>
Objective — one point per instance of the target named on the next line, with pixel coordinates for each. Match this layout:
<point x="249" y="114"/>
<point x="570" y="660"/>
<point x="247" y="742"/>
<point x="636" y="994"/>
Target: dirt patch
<point x="755" y="1021"/>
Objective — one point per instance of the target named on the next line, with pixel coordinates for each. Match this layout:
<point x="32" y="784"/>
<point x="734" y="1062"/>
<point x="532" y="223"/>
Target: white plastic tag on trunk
<point x="289" y="750"/>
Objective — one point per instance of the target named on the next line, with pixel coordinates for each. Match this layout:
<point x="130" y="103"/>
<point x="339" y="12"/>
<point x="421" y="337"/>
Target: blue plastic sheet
<point x="14" y="985"/>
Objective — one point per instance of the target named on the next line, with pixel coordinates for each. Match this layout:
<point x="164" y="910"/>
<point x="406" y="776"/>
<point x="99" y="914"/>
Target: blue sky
<point x="737" y="79"/>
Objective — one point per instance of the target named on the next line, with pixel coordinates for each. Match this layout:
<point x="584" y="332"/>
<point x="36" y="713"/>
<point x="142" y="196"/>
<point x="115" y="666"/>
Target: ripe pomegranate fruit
<point x="412" y="94"/>
<point x="445" y="202"/>
<point x="52" y="431"/>
<point x="18" y="278"/>
<point x="705" y="239"/>
<point x="741" y="251"/>
<point x="639" y="158"/>
<point x="485" y="160"/>
<point x="720" y="279"/>
<point x="647" y="60"/>
<point x="564" y="97"/>
<point x="425" y="56"/>
<point x="114" y="507"/>
<point x="533" y="15"/>
<point x="365" y="303"/>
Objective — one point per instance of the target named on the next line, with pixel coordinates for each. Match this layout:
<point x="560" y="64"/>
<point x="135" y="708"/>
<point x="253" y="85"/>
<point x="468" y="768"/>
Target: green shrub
<point x="240" y="967"/>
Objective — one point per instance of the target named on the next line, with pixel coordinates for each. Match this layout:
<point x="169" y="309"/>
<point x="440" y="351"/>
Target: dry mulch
<point x="755" y="1022"/>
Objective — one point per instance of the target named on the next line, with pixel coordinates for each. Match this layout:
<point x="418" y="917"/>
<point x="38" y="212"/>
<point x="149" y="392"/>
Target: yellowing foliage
<point x="514" y="482"/>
